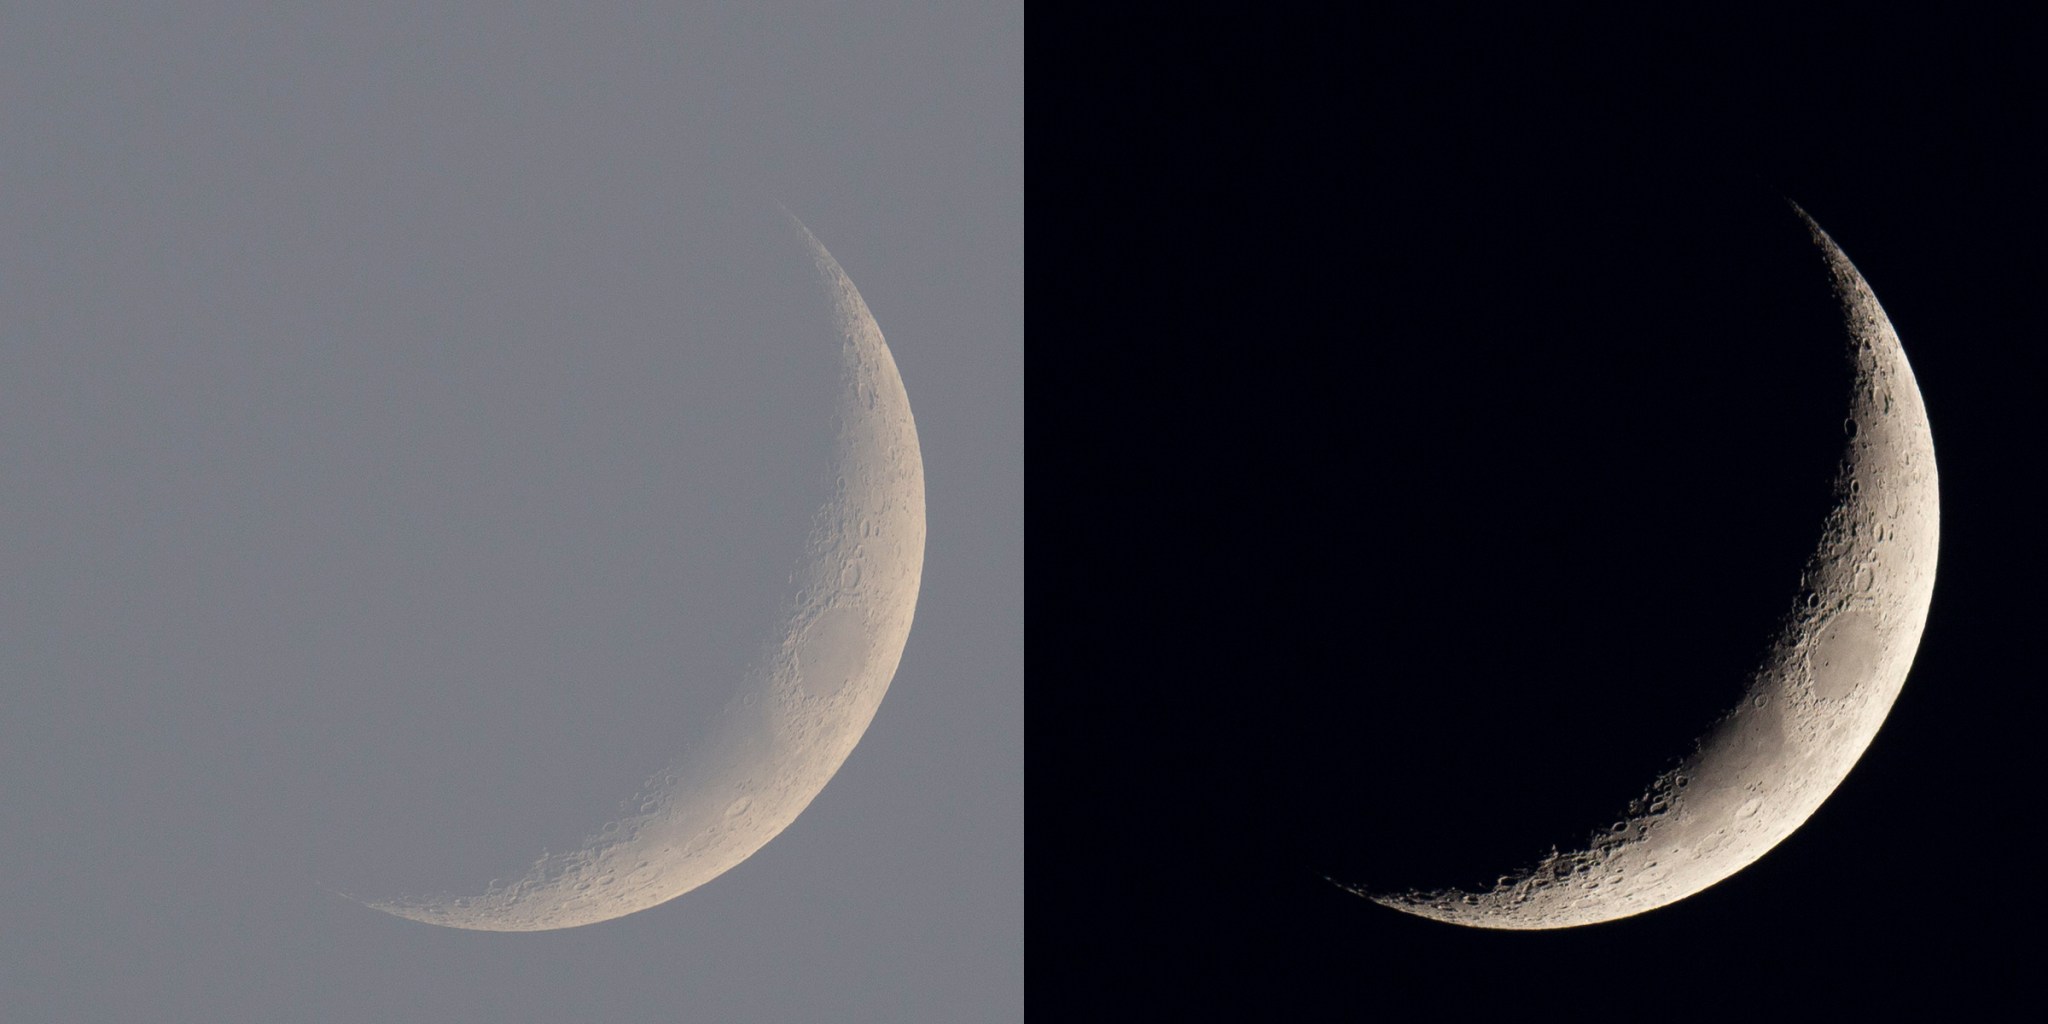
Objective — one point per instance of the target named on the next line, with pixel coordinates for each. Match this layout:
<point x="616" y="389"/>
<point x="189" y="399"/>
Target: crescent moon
<point x="1821" y="693"/>
<point x="799" y="709"/>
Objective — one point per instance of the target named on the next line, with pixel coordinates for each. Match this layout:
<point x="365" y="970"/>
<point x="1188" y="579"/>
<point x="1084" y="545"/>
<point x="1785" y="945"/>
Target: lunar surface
<point x="800" y="708"/>
<point x="1813" y="705"/>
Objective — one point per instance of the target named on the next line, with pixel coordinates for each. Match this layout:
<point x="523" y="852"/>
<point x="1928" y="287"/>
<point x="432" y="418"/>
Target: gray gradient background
<point x="400" y="447"/>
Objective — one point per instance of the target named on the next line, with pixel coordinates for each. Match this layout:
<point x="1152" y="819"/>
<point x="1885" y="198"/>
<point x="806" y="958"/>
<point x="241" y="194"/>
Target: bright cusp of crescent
<point x="1816" y="701"/>
<point x="801" y="706"/>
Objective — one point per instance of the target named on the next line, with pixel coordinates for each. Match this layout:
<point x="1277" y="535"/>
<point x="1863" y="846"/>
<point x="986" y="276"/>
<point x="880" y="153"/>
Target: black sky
<point x="1465" y="401"/>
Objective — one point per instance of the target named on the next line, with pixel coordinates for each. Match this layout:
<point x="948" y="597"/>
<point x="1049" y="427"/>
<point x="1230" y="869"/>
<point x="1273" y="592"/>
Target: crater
<point x="1844" y="655"/>
<point x="833" y="651"/>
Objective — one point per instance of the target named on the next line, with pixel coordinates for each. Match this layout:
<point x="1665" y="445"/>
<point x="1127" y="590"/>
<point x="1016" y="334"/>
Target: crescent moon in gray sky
<point x="1814" y="704"/>
<point x="800" y="708"/>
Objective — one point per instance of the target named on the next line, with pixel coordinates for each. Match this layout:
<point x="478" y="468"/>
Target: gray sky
<point x="404" y="433"/>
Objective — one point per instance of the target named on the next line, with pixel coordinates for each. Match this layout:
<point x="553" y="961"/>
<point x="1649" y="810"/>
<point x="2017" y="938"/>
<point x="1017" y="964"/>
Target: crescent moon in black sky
<point x="1813" y="705"/>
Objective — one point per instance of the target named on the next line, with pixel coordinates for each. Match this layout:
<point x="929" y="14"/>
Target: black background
<point x="1428" y="426"/>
